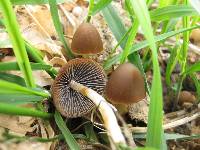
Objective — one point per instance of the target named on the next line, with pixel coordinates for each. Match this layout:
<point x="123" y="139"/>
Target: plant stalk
<point x="15" y="110"/>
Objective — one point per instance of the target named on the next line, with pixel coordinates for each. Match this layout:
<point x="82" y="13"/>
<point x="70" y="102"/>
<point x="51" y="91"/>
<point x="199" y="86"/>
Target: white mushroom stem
<point x="105" y="109"/>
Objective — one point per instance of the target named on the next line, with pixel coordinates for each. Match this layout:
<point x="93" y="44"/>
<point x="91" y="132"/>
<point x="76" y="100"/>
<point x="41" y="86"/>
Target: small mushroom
<point x="186" y="97"/>
<point x="126" y="85"/>
<point x="69" y="102"/>
<point x="126" y="88"/>
<point x="86" y="40"/>
<point x="195" y="37"/>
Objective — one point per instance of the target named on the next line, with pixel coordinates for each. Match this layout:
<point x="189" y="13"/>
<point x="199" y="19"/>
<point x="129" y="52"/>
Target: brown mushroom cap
<point x="86" y="40"/>
<point x="186" y="97"/>
<point x="195" y="37"/>
<point x="126" y="85"/>
<point x="69" y="102"/>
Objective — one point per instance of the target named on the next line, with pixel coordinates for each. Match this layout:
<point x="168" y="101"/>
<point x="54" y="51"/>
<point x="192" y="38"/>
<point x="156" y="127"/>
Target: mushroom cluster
<point x="80" y="83"/>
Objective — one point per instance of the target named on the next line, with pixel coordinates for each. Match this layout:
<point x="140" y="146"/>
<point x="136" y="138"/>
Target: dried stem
<point x="105" y="109"/>
<point x="172" y="124"/>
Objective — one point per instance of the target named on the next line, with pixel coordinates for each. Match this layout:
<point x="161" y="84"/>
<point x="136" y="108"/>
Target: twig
<point x="175" y="114"/>
<point x="169" y="125"/>
<point x="69" y="37"/>
<point x="191" y="46"/>
<point x="181" y="121"/>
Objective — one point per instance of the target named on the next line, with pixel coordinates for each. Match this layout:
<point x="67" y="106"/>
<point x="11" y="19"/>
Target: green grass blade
<point x="173" y="11"/>
<point x="22" y="111"/>
<point x="145" y="148"/>
<point x="7" y="66"/>
<point x="33" y="2"/>
<point x="118" y="29"/>
<point x="12" y="88"/>
<point x="135" y="59"/>
<point x="100" y="5"/>
<point x="193" y="68"/>
<point x="186" y="35"/>
<point x="19" y="99"/>
<point x="120" y="41"/>
<point x="91" y="6"/>
<point x="17" y="41"/>
<point x="171" y="64"/>
<point x="115" y="24"/>
<point x="108" y="63"/>
<point x="129" y="42"/>
<point x="90" y="133"/>
<point x="154" y="130"/>
<point x="163" y="3"/>
<point x="196" y="83"/>
<point x="66" y="133"/>
<point x="12" y="78"/>
<point x="32" y="51"/>
<point x="58" y="26"/>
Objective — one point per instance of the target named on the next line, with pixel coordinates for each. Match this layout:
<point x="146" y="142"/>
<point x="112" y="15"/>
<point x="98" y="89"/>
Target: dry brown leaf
<point x="43" y="16"/>
<point x="24" y="146"/>
<point x="38" y="29"/>
<point x="57" y="61"/>
<point x="69" y="21"/>
<point x="8" y="59"/>
<point x="46" y="130"/>
<point x="42" y="78"/>
<point x="83" y="3"/>
<point x="69" y="5"/>
<point x="17" y="124"/>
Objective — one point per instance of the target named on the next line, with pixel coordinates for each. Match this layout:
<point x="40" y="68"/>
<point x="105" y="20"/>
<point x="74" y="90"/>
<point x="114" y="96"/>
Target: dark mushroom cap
<point x="126" y="85"/>
<point x="69" y="102"/>
<point x="86" y="40"/>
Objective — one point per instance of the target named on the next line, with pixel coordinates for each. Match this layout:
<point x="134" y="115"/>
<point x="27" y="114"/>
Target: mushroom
<point x="76" y="90"/>
<point x="195" y="37"/>
<point x="186" y="97"/>
<point x="126" y="88"/>
<point x="126" y="85"/>
<point x="86" y="40"/>
<point x="69" y="102"/>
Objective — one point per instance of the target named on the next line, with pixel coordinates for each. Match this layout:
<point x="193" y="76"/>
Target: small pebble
<point x="77" y="11"/>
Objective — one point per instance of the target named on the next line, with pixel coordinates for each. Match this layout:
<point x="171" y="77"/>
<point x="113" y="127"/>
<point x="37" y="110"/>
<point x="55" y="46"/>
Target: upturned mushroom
<point x="86" y="40"/>
<point x="126" y="85"/>
<point x="69" y="102"/>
